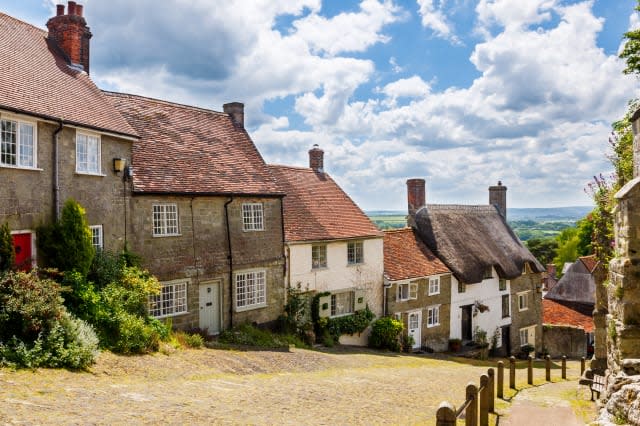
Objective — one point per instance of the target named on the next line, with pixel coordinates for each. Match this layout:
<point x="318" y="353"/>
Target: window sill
<point x="433" y="294"/>
<point x="171" y="315"/>
<point x="355" y="264"/>
<point x="90" y="174"/>
<point x="433" y="325"/>
<point x="29" y="169"/>
<point x="342" y="315"/>
<point x="523" y="309"/>
<point x="252" y="230"/>
<point x="251" y="307"/>
<point x="166" y="235"/>
<point x="319" y="268"/>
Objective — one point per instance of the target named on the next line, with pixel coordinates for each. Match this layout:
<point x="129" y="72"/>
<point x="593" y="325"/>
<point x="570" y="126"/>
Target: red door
<point x="22" y="245"/>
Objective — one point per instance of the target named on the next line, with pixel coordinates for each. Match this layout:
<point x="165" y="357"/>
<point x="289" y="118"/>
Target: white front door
<point x="210" y="307"/>
<point x="415" y="322"/>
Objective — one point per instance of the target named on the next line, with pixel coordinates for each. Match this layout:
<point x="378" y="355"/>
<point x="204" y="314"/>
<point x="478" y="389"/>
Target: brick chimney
<point x="416" y="197"/>
<point x="236" y="111"/>
<point x="498" y="198"/>
<point x="316" y="159"/>
<point x="71" y="34"/>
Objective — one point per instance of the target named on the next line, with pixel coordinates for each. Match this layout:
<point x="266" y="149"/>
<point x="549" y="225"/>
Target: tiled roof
<point x="405" y="256"/>
<point x="316" y="208"/>
<point x="35" y="79"/>
<point x="555" y="313"/>
<point x="189" y="150"/>
<point x="590" y="262"/>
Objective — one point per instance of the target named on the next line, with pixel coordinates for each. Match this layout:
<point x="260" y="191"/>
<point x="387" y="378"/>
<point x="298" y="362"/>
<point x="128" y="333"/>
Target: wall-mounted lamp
<point x="119" y="165"/>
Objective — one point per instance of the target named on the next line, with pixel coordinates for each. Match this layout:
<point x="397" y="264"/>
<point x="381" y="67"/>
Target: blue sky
<point x="462" y="93"/>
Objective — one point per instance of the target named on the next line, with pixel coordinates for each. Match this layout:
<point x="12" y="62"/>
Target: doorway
<point x="467" y="332"/>
<point x="23" y="246"/>
<point x="209" y="312"/>
<point x="415" y="328"/>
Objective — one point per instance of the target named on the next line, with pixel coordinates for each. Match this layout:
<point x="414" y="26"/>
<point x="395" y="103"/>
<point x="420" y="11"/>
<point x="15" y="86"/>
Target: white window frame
<point x="91" y="165"/>
<point x="347" y="308"/>
<point x="355" y="252"/>
<point x="20" y="144"/>
<point x="172" y="299"/>
<point x="407" y="291"/>
<point x="528" y="336"/>
<point x="502" y="284"/>
<point x="252" y="217"/>
<point x="163" y="216"/>
<point x="434" y="286"/>
<point x="319" y="256"/>
<point x="433" y="316"/>
<point x="508" y="305"/>
<point x="97" y="235"/>
<point x="250" y="289"/>
<point x="523" y="301"/>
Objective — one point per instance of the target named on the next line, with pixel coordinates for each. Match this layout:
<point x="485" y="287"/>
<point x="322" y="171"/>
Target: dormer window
<point x="488" y="273"/>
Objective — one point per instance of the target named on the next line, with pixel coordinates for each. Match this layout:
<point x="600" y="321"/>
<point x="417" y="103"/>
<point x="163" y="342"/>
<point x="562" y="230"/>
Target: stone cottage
<point x="184" y="187"/>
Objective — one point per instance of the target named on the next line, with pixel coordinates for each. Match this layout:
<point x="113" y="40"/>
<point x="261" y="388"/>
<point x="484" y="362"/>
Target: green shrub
<point x="106" y="268"/>
<point x="386" y="333"/>
<point x="67" y="244"/>
<point x="248" y="335"/>
<point x="131" y="334"/>
<point x="35" y="328"/>
<point x="80" y="296"/>
<point x="7" y="251"/>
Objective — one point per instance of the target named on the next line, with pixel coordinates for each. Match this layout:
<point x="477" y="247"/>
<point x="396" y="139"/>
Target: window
<point x="172" y="299"/>
<point x="407" y="291"/>
<point x="165" y="220"/>
<point x="342" y="303"/>
<point x="252" y="217"/>
<point x="17" y="144"/>
<point x="462" y="287"/>
<point x="505" y="306"/>
<point x="355" y="253"/>
<point x="251" y="289"/>
<point x="523" y="301"/>
<point x="528" y="336"/>
<point x="488" y="273"/>
<point x="318" y="256"/>
<point x="434" y="286"/>
<point x="433" y="316"/>
<point x="87" y="153"/>
<point x="96" y="236"/>
<point x="502" y="284"/>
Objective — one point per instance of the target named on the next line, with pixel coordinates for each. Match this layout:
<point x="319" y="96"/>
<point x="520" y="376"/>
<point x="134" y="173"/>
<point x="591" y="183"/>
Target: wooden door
<point x="22" y="244"/>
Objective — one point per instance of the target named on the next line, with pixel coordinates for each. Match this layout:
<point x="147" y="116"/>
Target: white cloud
<point x="434" y="18"/>
<point x="412" y="87"/>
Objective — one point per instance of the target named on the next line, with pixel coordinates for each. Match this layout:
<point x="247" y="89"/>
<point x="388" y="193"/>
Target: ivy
<point x="335" y="327"/>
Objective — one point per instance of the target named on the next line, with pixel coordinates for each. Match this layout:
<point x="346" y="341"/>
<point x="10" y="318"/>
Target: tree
<point x="544" y="249"/>
<point x="67" y="244"/>
<point x="631" y="50"/>
<point x="7" y="251"/>
<point x="567" y="247"/>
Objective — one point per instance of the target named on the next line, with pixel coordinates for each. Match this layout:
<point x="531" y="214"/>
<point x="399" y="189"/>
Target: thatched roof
<point x="574" y="286"/>
<point x="469" y="239"/>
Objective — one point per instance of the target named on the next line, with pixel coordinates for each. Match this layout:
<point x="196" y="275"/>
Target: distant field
<point x="526" y="223"/>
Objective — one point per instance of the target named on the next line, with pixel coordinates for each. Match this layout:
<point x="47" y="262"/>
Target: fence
<point x="479" y="401"/>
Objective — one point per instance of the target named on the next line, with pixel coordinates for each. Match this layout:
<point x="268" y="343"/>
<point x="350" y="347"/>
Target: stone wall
<point x="564" y="340"/>
<point x="531" y="282"/>
<point x="200" y="252"/>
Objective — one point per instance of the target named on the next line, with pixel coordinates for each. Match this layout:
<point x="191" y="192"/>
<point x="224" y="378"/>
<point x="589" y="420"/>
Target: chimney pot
<point x="316" y="159"/>
<point x="79" y="8"/>
<point x="236" y="111"/>
<point x="498" y="198"/>
<point x="71" y="9"/>
<point x="416" y="196"/>
<point x="59" y="9"/>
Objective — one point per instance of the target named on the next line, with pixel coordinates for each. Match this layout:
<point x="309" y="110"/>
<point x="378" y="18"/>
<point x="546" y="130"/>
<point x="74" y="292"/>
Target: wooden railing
<point x="479" y="401"/>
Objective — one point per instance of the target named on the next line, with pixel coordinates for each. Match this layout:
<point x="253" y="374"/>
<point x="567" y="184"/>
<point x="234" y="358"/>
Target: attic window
<point x="526" y="269"/>
<point x="462" y="287"/>
<point x="488" y="273"/>
<point x="502" y="284"/>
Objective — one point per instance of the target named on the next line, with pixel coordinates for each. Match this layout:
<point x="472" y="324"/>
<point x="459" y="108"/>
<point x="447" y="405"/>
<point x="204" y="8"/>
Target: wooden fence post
<point x="492" y="389"/>
<point x="547" y="367"/>
<point x="512" y="372"/>
<point x="446" y="415"/>
<point x="484" y="400"/>
<point x="471" y="414"/>
<point x="564" y="367"/>
<point x="581" y="366"/>
<point x="500" y="379"/>
<point x="530" y="370"/>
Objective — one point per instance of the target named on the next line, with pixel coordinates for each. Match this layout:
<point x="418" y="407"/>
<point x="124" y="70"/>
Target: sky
<point x="462" y="93"/>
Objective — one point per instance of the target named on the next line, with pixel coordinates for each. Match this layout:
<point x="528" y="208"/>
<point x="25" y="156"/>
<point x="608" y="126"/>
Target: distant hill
<point x="571" y="213"/>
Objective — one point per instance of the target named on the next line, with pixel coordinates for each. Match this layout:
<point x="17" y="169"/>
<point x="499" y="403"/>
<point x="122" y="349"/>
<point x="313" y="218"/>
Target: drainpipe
<point x="56" y="173"/>
<point x="230" y="259"/>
